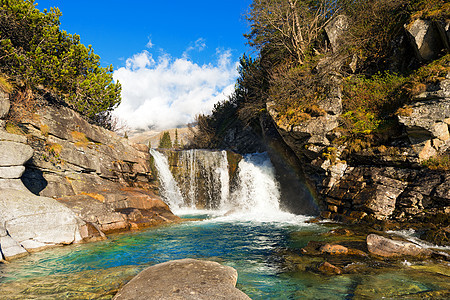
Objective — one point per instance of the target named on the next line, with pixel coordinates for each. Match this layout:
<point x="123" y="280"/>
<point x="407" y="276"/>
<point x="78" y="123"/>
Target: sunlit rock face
<point x="184" y="279"/>
<point x="102" y="183"/>
<point x="29" y="223"/>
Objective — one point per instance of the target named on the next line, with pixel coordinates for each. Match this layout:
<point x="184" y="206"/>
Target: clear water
<point x="256" y="238"/>
<point x="255" y="249"/>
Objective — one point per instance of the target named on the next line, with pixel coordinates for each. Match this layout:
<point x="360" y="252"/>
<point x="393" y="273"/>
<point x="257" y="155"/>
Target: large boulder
<point x="385" y="247"/>
<point x="33" y="223"/>
<point x="425" y="39"/>
<point x="183" y="279"/>
<point x="444" y="31"/>
<point x="123" y="209"/>
<point x="335" y="29"/>
<point x="72" y="156"/>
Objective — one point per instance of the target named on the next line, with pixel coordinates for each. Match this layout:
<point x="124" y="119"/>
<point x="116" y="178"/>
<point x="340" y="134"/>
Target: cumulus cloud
<point x="166" y="92"/>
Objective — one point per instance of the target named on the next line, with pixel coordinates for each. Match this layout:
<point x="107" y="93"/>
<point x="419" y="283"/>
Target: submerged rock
<point x="329" y="269"/>
<point x="183" y="279"/>
<point x="334" y="249"/>
<point x="385" y="247"/>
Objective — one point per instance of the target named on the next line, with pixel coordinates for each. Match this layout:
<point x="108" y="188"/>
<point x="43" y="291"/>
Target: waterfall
<point x="203" y="178"/>
<point x="202" y="181"/>
<point x="257" y="190"/>
<point x="169" y="188"/>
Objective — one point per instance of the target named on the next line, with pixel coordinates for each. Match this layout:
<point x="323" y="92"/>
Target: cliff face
<point x="62" y="175"/>
<point x="381" y="183"/>
<point x="383" y="180"/>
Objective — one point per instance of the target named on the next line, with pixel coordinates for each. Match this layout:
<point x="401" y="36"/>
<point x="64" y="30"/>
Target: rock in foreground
<point x="30" y="223"/>
<point x="183" y="279"/>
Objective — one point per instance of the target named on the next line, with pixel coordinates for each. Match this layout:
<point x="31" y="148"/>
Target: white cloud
<point x="168" y="92"/>
<point x="198" y="45"/>
<point x="149" y="44"/>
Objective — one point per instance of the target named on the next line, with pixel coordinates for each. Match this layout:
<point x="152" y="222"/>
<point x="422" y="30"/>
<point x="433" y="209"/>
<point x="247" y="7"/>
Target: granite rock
<point x="385" y="247"/>
<point x="36" y="222"/>
<point x="183" y="279"/>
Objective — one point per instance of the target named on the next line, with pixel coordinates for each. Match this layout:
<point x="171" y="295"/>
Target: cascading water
<point x="257" y="190"/>
<point x="203" y="178"/>
<point x="169" y="188"/>
<point x="204" y="183"/>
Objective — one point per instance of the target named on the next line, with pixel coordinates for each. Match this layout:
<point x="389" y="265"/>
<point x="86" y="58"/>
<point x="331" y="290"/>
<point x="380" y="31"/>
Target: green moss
<point x="439" y="162"/>
<point x="362" y="121"/>
<point x="376" y="94"/>
<point x="430" y="73"/>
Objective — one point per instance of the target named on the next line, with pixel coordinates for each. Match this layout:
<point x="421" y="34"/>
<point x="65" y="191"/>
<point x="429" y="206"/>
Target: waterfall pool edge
<point x="265" y="254"/>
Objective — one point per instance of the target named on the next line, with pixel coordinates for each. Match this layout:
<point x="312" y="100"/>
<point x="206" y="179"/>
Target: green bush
<point x="35" y="52"/>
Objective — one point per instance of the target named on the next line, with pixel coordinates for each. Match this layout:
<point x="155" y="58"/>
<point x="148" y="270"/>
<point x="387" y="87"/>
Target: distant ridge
<point x="153" y="136"/>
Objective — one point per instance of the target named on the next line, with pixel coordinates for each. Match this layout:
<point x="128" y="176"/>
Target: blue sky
<point x="174" y="59"/>
<point x="119" y="29"/>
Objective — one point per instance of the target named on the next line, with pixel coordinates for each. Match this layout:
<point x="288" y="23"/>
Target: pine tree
<point x="165" y="142"/>
<point x="176" y="143"/>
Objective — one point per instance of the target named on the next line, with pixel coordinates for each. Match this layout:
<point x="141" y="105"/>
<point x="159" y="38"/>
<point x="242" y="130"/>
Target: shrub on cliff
<point x="35" y="52"/>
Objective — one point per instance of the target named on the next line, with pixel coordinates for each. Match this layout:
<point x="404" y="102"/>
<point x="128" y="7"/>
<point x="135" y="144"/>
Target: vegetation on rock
<point x="36" y="54"/>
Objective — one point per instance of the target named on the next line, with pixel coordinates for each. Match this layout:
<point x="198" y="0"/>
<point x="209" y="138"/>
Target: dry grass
<point x="44" y="130"/>
<point x="14" y="129"/>
<point x="23" y="106"/>
<point x="439" y="162"/>
<point x="54" y="149"/>
<point x="405" y="111"/>
<point x="80" y="139"/>
<point x="5" y="86"/>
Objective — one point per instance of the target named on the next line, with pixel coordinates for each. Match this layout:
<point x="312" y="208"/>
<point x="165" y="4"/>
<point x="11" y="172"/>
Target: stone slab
<point x="183" y="279"/>
<point x="13" y="184"/>
<point x="10" y="248"/>
<point x="13" y="172"/>
<point x="14" y="154"/>
<point x="6" y="136"/>
<point x="44" y="220"/>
